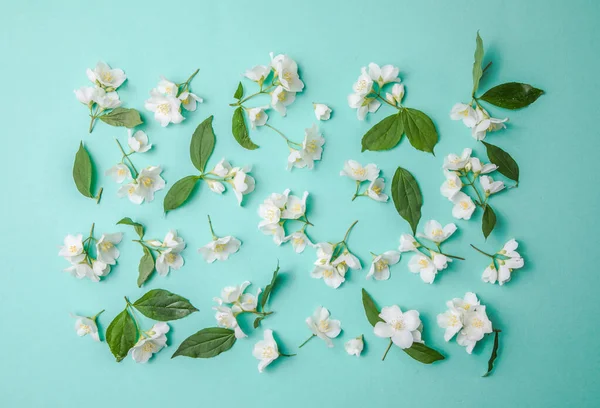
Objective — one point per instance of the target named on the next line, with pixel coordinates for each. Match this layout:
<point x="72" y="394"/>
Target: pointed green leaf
<point x="240" y="130"/>
<point x="494" y="354"/>
<point x="407" y="197"/>
<point x="423" y="354"/>
<point x="202" y="144"/>
<point x="506" y="164"/>
<point x="264" y="297"/>
<point x="162" y="305"/>
<point x="207" y="343"/>
<point x="419" y="130"/>
<point x="146" y="267"/>
<point x="179" y="193"/>
<point x="239" y="92"/>
<point x="384" y="135"/>
<point x="370" y="308"/>
<point x="488" y="222"/>
<point x="139" y="228"/>
<point x="512" y="95"/>
<point x="122" y="117"/>
<point x="257" y="321"/>
<point x="477" y="69"/>
<point x="82" y="172"/>
<point x="121" y="335"/>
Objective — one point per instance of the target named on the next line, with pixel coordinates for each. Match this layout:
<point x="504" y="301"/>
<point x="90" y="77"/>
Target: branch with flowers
<point x="125" y="335"/>
<point x="280" y="81"/>
<point x="161" y="256"/>
<point x="367" y="98"/>
<point x="233" y="303"/>
<point x="103" y="100"/>
<point x="201" y="148"/>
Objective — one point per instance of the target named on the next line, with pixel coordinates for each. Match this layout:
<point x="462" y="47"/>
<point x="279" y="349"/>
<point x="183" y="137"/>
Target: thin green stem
<point x="126" y="156"/>
<point x="348" y="232"/>
<point x="482" y="252"/>
<point x="289" y="142"/>
<point x="307" y="340"/>
<point x="184" y="86"/>
<point x="99" y="195"/>
<point x="356" y="192"/>
<point x="94" y="317"/>
<point x="286" y="355"/>
<point x="386" y="350"/>
<point x="211" y="228"/>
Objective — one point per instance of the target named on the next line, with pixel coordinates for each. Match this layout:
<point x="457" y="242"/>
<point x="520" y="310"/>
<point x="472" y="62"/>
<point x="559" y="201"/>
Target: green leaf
<point x="423" y="354"/>
<point x="384" y="135"/>
<point x="126" y="117"/>
<point x="202" y="144"/>
<point x="506" y="164"/>
<point x="512" y="95"/>
<point x="407" y="197"/>
<point x="264" y="297"/>
<point x="139" y="228"/>
<point x="82" y="171"/>
<point x="488" y="222"/>
<point x="146" y="267"/>
<point x="162" y="305"/>
<point x="239" y="92"/>
<point x="206" y="343"/>
<point x="419" y="129"/>
<point x="257" y="321"/>
<point x="240" y="130"/>
<point x="121" y="335"/>
<point x="179" y="193"/>
<point x="370" y="308"/>
<point x="494" y="354"/>
<point x="477" y="70"/>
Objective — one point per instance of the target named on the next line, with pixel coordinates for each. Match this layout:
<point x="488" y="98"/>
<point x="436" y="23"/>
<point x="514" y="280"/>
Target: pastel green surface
<point x="548" y="313"/>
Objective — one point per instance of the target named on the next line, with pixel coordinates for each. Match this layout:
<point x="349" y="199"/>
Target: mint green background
<point x="549" y="352"/>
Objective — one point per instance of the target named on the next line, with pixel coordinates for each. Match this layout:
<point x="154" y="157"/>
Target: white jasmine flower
<point x="220" y="249"/>
<point x="149" y="181"/>
<point x="106" y="100"/>
<point x="270" y="214"/>
<point x="168" y="259"/>
<point x="506" y="266"/>
<point x="286" y="70"/>
<point x="490" y="186"/>
<point x="151" y="344"/>
<point x="166" y="108"/>
<point x="355" y="346"/>
<point x="363" y="105"/>
<point x="248" y="302"/>
<point x="266" y="350"/>
<point x="106" y="250"/>
<point x="226" y="319"/>
<point x="295" y="207"/>
<point x="490" y="274"/>
<point x="172" y="241"/>
<point x="138" y="141"/>
<point x="451" y="320"/>
<point x="276" y="230"/>
<point x="258" y="73"/>
<point x="322" y="111"/>
<point x="86" y="94"/>
<point x="408" y="243"/>
<point x="257" y="116"/>
<point x="464" y="112"/>
<point x="222" y="169"/>
<point x="375" y="190"/>
<point x="356" y="171"/>
<point x="72" y="250"/>
<point x="452" y="185"/>
<point x="299" y="241"/>
<point x="463" y="206"/>
<point x="436" y="233"/>
<point x="107" y="77"/>
<point x="215" y="186"/>
<point x="85" y="325"/>
<point x="397" y="94"/>
<point x="332" y="276"/>
<point x="476" y="325"/>
<point x="322" y="326"/>
<point x="166" y="87"/>
<point x="131" y="190"/>
<point x="100" y="268"/>
<point x="324" y="253"/>
<point x="312" y="146"/>
<point x="401" y="328"/>
<point x="119" y="172"/>
<point x="189" y="101"/>
<point x="232" y="294"/>
<point x="454" y="162"/>
<point x="428" y="267"/>
<point x="363" y="85"/>
<point x="346" y="260"/>
<point x="242" y="182"/>
<point x="295" y="160"/>
<point x="485" y="124"/>
<point x="380" y="267"/>
<point x="82" y="270"/>
<point x="383" y="75"/>
<point x="280" y="99"/>
<point x="478" y="168"/>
